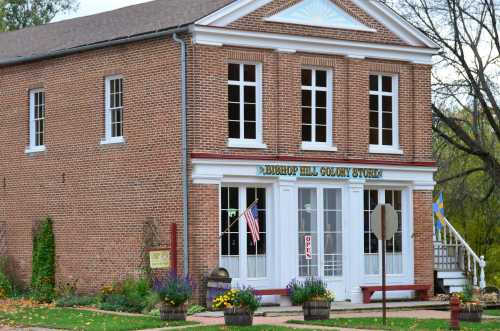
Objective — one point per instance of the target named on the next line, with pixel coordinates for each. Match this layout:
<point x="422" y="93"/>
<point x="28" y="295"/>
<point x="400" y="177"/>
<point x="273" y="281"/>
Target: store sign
<point x="319" y="172"/>
<point x="159" y="259"/>
<point x="308" y="245"/>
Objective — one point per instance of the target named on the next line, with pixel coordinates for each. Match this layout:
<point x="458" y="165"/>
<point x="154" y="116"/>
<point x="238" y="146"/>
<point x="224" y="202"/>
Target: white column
<point x="354" y="234"/>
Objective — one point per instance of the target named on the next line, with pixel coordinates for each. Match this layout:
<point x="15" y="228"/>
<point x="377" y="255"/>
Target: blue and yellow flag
<point x="438" y="209"/>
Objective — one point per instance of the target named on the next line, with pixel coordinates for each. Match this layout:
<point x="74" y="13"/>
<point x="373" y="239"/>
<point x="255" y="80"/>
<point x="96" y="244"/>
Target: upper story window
<point x="37" y="121"/>
<point x="384" y="130"/>
<point x="245" y="105"/>
<point x="113" y="110"/>
<point x="317" y="109"/>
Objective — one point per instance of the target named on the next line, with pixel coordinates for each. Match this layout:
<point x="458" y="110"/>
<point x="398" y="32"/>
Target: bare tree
<point x="466" y="78"/>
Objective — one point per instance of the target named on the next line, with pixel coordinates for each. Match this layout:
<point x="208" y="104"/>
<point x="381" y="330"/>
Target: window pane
<point x="306" y="77"/>
<point x="249" y="71"/>
<point x="234" y="244"/>
<point x="373" y="136"/>
<point x="321" y="78"/>
<point x="234" y="129"/>
<point x="306" y="98"/>
<point x="308" y="227"/>
<point x="387" y="120"/>
<point x="233" y="198"/>
<point x="373" y="119"/>
<point x="321" y="134"/>
<point x="321" y="116"/>
<point x="373" y="83"/>
<point x="374" y="102"/>
<point x="250" y="94"/>
<point x="250" y="114"/>
<point x="234" y="111"/>
<point x="333" y="199"/>
<point x="224" y="198"/>
<point x="321" y="99"/>
<point x="387" y="83"/>
<point x="233" y="93"/>
<point x="306" y="133"/>
<point x="387" y="103"/>
<point x="387" y="137"/>
<point x="306" y="115"/>
<point x="233" y="71"/>
<point x="250" y="130"/>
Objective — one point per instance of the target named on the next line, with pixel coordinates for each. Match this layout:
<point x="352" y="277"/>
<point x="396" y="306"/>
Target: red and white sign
<point x="308" y="242"/>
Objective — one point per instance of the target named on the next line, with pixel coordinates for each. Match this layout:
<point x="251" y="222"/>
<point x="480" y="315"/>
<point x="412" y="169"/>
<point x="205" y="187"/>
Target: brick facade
<point x="100" y="195"/>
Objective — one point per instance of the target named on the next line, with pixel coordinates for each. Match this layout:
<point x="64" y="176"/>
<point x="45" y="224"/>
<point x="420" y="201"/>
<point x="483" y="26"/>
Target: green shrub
<point x="6" y="289"/>
<point x="195" y="309"/>
<point x="43" y="264"/>
<point x="131" y="295"/>
<point x="76" y="301"/>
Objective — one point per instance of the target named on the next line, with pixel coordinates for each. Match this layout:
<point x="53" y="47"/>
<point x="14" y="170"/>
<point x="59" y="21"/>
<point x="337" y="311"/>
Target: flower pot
<point x="316" y="310"/>
<point x="238" y="317"/>
<point x="171" y="313"/>
<point x="471" y="312"/>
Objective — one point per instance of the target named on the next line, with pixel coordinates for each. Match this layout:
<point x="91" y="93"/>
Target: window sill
<point x="236" y="143"/>
<point x="376" y="149"/>
<point x="111" y="141"/>
<point x="308" y="146"/>
<point x="35" y="149"/>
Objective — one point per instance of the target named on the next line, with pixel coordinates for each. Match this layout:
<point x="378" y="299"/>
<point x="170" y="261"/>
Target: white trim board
<point x="379" y="11"/>
<point x="230" y="37"/>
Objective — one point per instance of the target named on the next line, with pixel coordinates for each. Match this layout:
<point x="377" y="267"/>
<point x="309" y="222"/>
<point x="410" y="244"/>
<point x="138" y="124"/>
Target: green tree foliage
<point x="43" y="265"/>
<point x="19" y="14"/>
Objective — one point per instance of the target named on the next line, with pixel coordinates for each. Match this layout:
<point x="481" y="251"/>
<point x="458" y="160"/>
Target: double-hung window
<point x="37" y="121"/>
<point x="317" y="109"/>
<point x="384" y="130"/>
<point x="113" y="110"/>
<point x="245" y="105"/>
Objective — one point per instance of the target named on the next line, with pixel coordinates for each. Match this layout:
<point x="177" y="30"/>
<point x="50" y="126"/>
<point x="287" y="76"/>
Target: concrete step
<point x="450" y="274"/>
<point x="454" y="281"/>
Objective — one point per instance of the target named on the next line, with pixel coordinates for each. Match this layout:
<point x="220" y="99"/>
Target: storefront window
<point x="308" y="228"/>
<point x="370" y="240"/>
<point x="332" y="232"/>
<point x="256" y="254"/>
<point x="394" y="260"/>
<point x="230" y="241"/>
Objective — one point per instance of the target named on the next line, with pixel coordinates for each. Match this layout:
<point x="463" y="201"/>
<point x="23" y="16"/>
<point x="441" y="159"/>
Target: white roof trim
<point x="321" y="13"/>
<point x="221" y="36"/>
<point x="232" y="12"/>
<point x="395" y="23"/>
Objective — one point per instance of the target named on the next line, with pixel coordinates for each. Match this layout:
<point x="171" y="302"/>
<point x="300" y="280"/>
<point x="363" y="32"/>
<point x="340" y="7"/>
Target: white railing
<point x="452" y="253"/>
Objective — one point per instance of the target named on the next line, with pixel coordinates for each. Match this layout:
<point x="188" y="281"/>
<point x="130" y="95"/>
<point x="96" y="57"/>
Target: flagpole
<point x="236" y="220"/>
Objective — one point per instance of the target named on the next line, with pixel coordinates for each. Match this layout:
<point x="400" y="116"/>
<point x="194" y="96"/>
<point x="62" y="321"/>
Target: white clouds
<point x="90" y="7"/>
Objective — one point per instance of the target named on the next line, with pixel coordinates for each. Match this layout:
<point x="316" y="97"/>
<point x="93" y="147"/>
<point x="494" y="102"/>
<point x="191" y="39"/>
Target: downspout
<point x="185" y="232"/>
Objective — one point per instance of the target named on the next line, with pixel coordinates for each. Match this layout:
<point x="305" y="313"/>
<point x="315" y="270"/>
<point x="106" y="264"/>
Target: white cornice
<point x="353" y="49"/>
<point x="232" y="12"/>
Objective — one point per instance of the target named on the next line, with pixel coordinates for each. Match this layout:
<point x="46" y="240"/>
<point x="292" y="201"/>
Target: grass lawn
<point x="246" y="328"/>
<point x="492" y="312"/>
<point x="73" y="319"/>
<point x="402" y="324"/>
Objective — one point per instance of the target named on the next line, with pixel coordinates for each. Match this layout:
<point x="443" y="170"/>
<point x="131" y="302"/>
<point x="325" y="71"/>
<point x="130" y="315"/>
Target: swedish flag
<point x="438" y="209"/>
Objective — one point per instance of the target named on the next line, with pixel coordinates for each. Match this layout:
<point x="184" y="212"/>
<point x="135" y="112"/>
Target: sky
<point x="89" y="7"/>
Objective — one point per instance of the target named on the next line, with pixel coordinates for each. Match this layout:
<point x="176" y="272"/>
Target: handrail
<point x="442" y="241"/>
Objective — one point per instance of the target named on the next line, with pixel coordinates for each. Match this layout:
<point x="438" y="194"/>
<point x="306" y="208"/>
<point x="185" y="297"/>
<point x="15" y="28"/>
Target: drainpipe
<point x="185" y="240"/>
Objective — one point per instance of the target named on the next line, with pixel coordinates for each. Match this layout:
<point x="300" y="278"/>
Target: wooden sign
<point x="308" y="242"/>
<point x="159" y="259"/>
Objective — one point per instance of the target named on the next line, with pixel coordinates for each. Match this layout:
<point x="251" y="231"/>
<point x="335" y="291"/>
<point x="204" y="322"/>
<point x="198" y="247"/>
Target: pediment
<point x="318" y="13"/>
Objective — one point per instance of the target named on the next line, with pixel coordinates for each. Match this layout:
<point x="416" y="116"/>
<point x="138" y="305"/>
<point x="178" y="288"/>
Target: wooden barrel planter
<point x="316" y="310"/>
<point x="238" y="317"/>
<point x="471" y="313"/>
<point x="171" y="313"/>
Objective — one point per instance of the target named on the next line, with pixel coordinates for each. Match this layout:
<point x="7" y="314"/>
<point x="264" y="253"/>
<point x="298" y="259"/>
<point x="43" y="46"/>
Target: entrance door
<point x="247" y="263"/>
<point x="320" y="236"/>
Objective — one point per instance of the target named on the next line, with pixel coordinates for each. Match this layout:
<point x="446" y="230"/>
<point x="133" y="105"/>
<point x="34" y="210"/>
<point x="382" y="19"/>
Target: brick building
<point x="186" y="112"/>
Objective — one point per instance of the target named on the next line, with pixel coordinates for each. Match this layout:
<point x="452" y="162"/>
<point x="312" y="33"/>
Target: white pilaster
<point x="355" y="223"/>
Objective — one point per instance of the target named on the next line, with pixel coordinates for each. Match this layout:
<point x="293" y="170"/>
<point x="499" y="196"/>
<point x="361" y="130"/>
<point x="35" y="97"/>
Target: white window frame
<point x="380" y="148"/>
<point x="33" y="147"/>
<point x="314" y="145"/>
<point x="108" y="139"/>
<point x="241" y="142"/>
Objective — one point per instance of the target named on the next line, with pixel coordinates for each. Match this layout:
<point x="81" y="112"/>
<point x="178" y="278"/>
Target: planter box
<point x="170" y="313"/>
<point x="316" y="310"/>
<point x="470" y="316"/>
<point x="238" y="317"/>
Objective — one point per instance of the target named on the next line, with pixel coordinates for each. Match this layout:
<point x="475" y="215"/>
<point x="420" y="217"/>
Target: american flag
<point x="251" y="216"/>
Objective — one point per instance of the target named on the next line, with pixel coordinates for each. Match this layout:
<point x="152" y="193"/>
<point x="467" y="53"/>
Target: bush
<point x="76" y="301"/>
<point x="173" y="290"/>
<point x="131" y="295"/>
<point x="195" y="309"/>
<point x="6" y="289"/>
<point x="310" y="289"/>
<point x="43" y="263"/>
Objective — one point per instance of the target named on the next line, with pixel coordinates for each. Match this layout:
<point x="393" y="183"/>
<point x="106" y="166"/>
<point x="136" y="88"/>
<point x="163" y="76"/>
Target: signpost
<point x="384" y="221"/>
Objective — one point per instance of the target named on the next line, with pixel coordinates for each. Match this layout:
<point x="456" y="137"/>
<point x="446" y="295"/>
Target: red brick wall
<point x="99" y="196"/>
<point x="423" y="238"/>
<point x="255" y="21"/>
